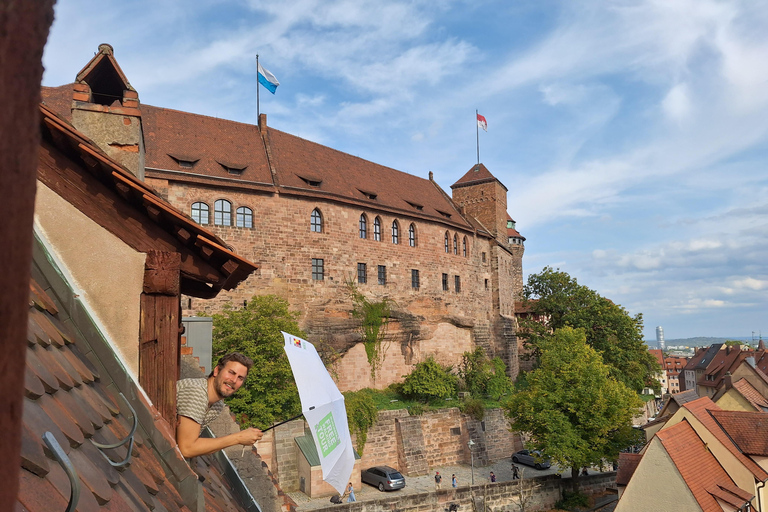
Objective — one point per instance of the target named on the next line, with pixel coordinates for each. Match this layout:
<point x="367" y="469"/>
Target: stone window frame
<point x="445" y="282"/>
<point x="244" y="217"/>
<point x="412" y="235"/>
<point x="382" y="275"/>
<point x="455" y="244"/>
<point x="316" y="221"/>
<point x="197" y="212"/>
<point x="414" y="279"/>
<point x="362" y="273"/>
<point x="447" y="243"/>
<point x="457" y="283"/>
<point x="363" y="226"/>
<point x="318" y="269"/>
<point x="377" y="229"/>
<point x="464" y="246"/>
<point x="395" y="232"/>
<point x="222" y="216"/>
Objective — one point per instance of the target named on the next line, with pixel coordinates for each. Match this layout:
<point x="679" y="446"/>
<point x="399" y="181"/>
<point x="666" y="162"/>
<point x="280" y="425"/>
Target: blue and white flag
<point x="268" y="80"/>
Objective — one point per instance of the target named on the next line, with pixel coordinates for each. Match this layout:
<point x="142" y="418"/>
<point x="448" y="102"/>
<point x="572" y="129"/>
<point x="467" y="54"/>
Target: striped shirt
<point x="192" y="401"/>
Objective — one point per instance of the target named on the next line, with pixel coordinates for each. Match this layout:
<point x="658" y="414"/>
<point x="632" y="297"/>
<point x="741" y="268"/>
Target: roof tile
<point x="60" y="481"/>
<point x="32" y="456"/>
<point x="62" y="420"/>
<point x="33" y="387"/>
<point x="38" y="422"/>
<point x="38" y="494"/>
<point x="94" y="417"/>
<point x="47" y="359"/>
<point x="748" y="430"/>
<point x="627" y="464"/>
<point x="91" y="475"/>
<point x="751" y="394"/>
<point x="72" y="408"/>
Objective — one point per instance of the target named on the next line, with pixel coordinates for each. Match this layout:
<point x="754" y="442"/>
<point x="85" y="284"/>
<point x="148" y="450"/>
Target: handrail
<point x="69" y="469"/>
<point x="129" y="440"/>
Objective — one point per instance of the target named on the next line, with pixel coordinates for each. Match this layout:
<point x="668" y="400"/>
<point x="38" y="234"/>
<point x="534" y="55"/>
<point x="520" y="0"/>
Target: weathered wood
<point x="23" y="32"/>
<point x="159" y="351"/>
<point x="161" y="273"/>
<point x="105" y="207"/>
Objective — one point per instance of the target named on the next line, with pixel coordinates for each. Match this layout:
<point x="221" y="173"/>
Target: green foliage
<point x="428" y="381"/>
<point x="609" y="329"/>
<point x="733" y="343"/>
<point x="483" y="376"/>
<point x="572" y="500"/>
<point x="374" y="317"/>
<point x="573" y="409"/>
<point x="416" y="409"/>
<point x="361" y="414"/>
<point x="269" y="394"/>
<point x="473" y="407"/>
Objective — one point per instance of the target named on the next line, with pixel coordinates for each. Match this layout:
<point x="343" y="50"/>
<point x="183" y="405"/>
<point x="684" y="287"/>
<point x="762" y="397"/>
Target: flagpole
<point x="477" y="129"/>
<point x="257" y="89"/>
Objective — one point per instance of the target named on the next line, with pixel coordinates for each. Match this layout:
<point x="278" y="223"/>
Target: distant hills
<point x="700" y="341"/>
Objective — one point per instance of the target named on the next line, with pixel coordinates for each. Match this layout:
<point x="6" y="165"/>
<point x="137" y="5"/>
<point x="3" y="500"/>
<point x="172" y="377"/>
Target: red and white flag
<point x="482" y="123"/>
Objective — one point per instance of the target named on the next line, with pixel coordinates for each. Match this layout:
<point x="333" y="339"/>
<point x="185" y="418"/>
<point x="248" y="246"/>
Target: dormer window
<point x="510" y="224"/>
<point x="416" y="206"/>
<point x="368" y="195"/>
<point x="185" y="161"/>
<point x="234" y="169"/>
<point x="444" y="214"/>
<point x="312" y="181"/>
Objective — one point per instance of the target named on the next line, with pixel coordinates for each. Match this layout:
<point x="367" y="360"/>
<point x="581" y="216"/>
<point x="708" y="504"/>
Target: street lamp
<point x="471" y="444"/>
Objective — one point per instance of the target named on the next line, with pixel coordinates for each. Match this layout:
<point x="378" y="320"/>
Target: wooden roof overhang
<point x="133" y="211"/>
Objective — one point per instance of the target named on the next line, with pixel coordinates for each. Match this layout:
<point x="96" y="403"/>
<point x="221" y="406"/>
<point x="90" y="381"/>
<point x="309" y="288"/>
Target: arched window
<point x="464" y="247"/>
<point x="455" y="244"/>
<point x="200" y="213"/>
<point x="363" y="226"/>
<point x="316" y="221"/>
<point x="222" y="213"/>
<point x="244" y="217"/>
<point x="447" y="249"/>
<point x="412" y="235"/>
<point x="377" y="229"/>
<point x="395" y="232"/>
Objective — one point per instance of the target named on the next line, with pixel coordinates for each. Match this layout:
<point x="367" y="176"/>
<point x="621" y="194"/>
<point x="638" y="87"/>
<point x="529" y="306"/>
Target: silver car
<point x="383" y="477"/>
<point x="531" y="458"/>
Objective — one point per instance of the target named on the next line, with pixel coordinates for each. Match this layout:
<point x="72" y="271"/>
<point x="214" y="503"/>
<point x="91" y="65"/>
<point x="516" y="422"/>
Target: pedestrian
<point x="454" y="482"/>
<point x="351" y="491"/>
<point x="584" y="471"/>
<point x="493" y="477"/>
<point x="515" y="473"/>
<point x="438" y="480"/>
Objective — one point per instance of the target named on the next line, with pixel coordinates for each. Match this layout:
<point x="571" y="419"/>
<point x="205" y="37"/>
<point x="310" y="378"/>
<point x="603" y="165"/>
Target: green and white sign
<point x="326" y="434"/>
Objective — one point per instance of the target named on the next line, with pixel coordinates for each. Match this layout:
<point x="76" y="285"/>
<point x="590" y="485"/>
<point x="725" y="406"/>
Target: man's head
<point x="230" y="373"/>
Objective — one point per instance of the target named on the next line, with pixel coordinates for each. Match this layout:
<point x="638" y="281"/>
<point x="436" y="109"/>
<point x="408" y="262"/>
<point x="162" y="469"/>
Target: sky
<point x="632" y="135"/>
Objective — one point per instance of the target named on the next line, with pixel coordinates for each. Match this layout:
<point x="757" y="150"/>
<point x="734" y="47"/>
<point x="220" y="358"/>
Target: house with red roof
<point x="703" y="458"/>
<point x="319" y="221"/>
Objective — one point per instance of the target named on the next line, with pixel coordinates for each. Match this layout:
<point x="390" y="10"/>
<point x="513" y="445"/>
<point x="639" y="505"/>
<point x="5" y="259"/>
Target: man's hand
<point x="248" y="436"/>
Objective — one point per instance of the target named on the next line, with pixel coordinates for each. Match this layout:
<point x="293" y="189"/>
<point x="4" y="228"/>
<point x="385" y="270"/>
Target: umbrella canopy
<point x="323" y="408"/>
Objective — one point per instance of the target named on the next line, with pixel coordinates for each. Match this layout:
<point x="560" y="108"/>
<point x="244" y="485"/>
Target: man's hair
<point x="236" y="357"/>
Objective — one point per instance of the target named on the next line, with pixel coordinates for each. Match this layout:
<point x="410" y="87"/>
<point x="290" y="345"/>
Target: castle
<point x="318" y="221"/>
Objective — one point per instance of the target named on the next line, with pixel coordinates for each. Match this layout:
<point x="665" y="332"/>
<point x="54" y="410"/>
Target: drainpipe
<point x="757" y="492"/>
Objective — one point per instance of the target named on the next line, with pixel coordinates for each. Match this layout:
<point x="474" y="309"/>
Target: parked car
<point x="383" y="477"/>
<point x="531" y="458"/>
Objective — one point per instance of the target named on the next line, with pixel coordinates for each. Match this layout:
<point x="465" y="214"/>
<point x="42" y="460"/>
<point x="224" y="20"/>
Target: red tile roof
<point x="627" y="464"/>
<point x="479" y="173"/>
<point x="702" y="411"/>
<point x="697" y="466"/>
<point x="725" y="360"/>
<point x="658" y="354"/>
<point x="747" y="430"/>
<point x="71" y="396"/>
<point x="751" y="394"/>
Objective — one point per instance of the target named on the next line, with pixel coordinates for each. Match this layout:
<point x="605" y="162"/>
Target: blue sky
<point x="632" y="135"/>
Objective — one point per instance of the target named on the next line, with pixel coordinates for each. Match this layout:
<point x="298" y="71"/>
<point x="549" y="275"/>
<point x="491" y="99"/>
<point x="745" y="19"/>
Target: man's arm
<point x="191" y="444"/>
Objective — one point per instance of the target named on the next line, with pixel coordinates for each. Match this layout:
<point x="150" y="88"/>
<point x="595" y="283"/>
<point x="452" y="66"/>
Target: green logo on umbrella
<point x="327" y="435"/>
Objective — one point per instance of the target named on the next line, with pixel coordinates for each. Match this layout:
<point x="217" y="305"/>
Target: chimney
<point x="263" y="124"/>
<point x="728" y="380"/>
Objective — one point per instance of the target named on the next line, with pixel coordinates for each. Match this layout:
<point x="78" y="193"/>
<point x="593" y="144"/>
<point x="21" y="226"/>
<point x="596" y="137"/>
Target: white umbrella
<point x="323" y="407"/>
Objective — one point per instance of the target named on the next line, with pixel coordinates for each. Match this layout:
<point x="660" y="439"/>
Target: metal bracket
<point x="69" y="469"/>
<point x="129" y="440"/>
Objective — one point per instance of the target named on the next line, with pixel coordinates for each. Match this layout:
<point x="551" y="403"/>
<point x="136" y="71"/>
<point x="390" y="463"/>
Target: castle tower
<point x="105" y="107"/>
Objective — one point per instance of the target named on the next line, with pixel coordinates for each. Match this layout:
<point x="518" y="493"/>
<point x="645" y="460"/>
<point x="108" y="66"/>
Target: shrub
<point x="361" y="415"/>
<point x="428" y="381"/>
<point x="473" y="407"/>
<point x="572" y="500"/>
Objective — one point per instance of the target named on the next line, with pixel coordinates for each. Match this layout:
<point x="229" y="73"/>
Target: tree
<point x="609" y="328"/>
<point x="483" y="376"/>
<point x="429" y="380"/>
<point x="269" y="393"/>
<point x="574" y="411"/>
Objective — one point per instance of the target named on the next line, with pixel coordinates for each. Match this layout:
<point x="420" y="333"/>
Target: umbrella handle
<point x="286" y="421"/>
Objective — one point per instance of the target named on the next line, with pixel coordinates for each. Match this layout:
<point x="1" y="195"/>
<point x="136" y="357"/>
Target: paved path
<point x="425" y="483"/>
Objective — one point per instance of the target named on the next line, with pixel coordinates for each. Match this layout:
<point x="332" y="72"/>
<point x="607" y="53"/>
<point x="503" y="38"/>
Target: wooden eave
<point x="207" y="265"/>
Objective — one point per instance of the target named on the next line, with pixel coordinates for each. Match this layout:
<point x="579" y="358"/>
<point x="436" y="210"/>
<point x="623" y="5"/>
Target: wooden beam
<point x="161" y="273"/>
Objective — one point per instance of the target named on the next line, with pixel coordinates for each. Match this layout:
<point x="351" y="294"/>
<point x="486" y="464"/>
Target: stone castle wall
<point x="427" y="321"/>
